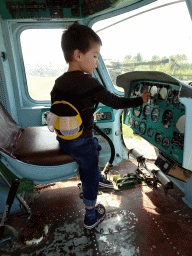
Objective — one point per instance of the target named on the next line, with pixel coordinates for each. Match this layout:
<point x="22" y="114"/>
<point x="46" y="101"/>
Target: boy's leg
<point x="86" y="154"/>
<point x="88" y="160"/>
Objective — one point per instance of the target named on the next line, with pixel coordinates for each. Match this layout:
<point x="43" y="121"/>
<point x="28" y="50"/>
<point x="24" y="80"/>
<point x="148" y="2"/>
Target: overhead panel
<point x="58" y="9"/>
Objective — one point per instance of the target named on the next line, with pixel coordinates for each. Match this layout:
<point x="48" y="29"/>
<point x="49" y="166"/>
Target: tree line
<point x="174" y="65"/>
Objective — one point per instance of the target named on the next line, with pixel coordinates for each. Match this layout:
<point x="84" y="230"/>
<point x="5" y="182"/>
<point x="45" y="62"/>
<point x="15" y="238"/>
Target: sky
<point x="164" y="32"/>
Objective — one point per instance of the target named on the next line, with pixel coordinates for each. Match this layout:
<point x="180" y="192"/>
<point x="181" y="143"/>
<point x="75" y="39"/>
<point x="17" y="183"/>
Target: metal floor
<point x="140" y="221"/>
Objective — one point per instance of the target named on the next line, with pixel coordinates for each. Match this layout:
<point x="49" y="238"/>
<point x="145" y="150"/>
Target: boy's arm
<point x="111" y="100"/>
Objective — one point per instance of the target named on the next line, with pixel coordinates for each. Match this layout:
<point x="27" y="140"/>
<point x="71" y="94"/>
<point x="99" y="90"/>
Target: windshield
<point x="156" y="40"/>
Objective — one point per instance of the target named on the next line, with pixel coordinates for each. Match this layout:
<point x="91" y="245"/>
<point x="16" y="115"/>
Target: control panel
<point x="54" y="9"/>
<point x="161" y="121"/>
<point x="104" y="114"/>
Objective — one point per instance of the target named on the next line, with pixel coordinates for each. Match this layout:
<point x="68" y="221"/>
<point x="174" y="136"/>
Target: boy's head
<point x="78" y="37"/>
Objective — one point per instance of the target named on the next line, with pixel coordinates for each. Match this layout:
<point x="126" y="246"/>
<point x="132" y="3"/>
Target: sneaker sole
<point x="105" y="185"/>
<point x="96" y="223"/>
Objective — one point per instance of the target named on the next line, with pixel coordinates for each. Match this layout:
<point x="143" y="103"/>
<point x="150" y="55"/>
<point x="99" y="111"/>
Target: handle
<point x="10" y="198"/>
<point x="12" y="193"/>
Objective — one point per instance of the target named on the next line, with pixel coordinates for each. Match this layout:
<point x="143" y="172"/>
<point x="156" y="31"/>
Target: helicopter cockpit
<point x="146" y="46"/>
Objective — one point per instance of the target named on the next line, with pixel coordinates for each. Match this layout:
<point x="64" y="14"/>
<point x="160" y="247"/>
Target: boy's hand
<point x="146" y="96"/>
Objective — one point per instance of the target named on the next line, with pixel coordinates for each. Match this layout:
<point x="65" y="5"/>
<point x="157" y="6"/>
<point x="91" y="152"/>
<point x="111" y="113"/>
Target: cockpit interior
<point x="146" y="150"/>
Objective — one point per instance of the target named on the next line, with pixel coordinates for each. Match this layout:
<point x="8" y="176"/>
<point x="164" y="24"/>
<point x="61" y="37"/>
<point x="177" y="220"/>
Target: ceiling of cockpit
<point x="61" y="9"/>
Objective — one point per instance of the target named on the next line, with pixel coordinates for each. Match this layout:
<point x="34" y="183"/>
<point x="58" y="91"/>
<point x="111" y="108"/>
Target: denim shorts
<point x="85" y="151"/>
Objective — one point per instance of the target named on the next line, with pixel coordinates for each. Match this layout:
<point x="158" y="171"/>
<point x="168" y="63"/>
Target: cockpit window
<point x="156" y="40"/>
<point x="43" y="60"/>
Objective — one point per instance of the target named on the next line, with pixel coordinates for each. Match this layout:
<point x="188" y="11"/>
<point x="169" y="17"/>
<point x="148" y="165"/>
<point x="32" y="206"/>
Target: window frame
<point x="17" y="29"/>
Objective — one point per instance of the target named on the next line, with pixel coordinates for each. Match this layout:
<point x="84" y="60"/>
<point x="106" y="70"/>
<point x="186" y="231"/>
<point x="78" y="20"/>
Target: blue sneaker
<point x="100" y="216"/>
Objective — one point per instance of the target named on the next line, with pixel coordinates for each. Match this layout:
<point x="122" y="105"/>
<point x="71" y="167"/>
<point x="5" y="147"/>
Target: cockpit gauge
<point x="155" y="114"/>
<point x="150" y="132"/>
<point x="163" y="93"/>
<point x="137" y="89"/>
<point x="144" y="88"/>
<point x="180" y="124"/>
<point x="147" y="111"/>
<point x="137" y="111"/>
<point x="142" y="127"/>
<point x="165" y="142"/>
<point x="170" y="94"/>
<point x="168" y="101"/>
<point x="175" y="100"/>
<point x="136" y="124"/>
<point x="158" y="137"/>
<point x="167" y="118"/>
<point x="130" y="122"/>
<point x="153" y="91"/>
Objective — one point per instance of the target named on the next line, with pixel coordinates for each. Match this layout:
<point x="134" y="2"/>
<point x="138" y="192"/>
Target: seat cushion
<point x="37" y="145"/>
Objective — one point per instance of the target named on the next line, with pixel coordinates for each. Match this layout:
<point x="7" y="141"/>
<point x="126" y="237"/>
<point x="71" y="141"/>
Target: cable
<point x="97" y="129"/>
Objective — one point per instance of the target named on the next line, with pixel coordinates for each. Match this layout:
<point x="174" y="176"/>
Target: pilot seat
<point x="31" y="155"/>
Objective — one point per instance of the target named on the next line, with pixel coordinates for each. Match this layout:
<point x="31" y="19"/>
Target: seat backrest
<point x="9" y="132"/>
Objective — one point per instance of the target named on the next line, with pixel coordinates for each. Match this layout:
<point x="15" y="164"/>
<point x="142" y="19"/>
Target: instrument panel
<point x="60" y="9"/>
<point x="159" y="120"/>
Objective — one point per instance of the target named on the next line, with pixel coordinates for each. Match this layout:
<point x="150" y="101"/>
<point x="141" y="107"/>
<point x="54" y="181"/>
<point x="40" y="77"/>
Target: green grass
<point x="128" y="133"/>
<point x="40" y="87"/>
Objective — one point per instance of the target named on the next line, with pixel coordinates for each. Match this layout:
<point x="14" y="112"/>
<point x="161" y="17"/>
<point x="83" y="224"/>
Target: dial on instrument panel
<point x="136" y="124"/>
<point x="158" y="137"/>
<point x="153" y="91"/>
<point x="170" y="94"/>
<point x="130" y="122"/>
<point x="147" y="111"/>
<point x="180" y="124"/>
<point x="175" y="100"/>
<point x="144" y="88"/>
<point x="163" y="93"/>
<point x="165" y="142"/>
<point x="137" y="89"/>
<point x="155" y="114"/>
<point x="142" y="127"/>
<point x="167" y="118"/>
<point x="150" y="132"/>
<point x="137" y="111"/>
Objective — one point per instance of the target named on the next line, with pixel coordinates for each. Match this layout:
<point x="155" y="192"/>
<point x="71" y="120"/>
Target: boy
<point x="81" y="48"/>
